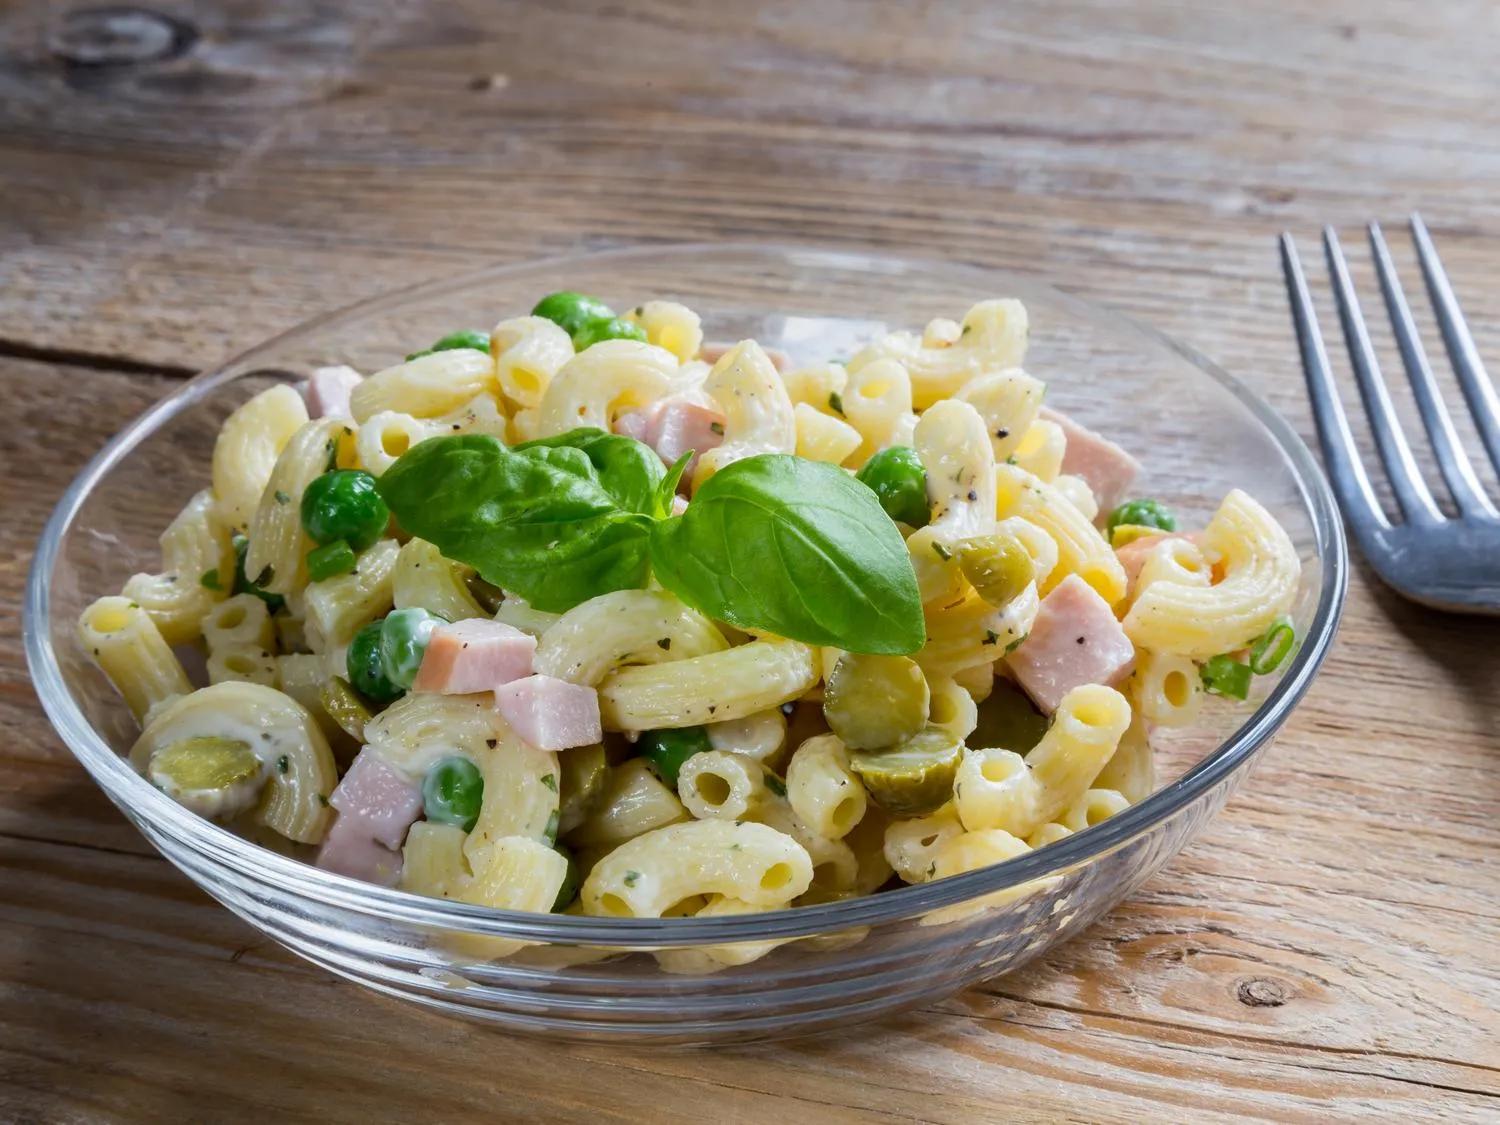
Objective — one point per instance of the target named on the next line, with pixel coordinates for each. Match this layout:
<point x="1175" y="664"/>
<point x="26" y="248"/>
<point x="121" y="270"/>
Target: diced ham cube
<point x="376" y="805"/>
<point x="378" y="797"/>
<point x="1075" y="640"/>
<point x="712" y="353"/>
<point x="675" y="424"/>
<point x="1108" y="469"/>
<point x="474" y="655"/>
<point x="549" y="713"/>
<point x="349" y="850"/>
<point x="328" y="390"/>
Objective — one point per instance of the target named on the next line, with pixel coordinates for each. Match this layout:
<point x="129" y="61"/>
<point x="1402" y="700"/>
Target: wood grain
<point x="1326" y="949"/>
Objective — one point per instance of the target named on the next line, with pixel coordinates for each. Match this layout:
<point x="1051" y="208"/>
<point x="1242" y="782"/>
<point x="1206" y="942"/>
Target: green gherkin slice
<point x="913" y="777"/>
<point x="875" y="701"/>
<point x="206" y="763"/>
<point x="997" y="566"/>
<point x="345" y="707"/>
<point x="583" y="775"/>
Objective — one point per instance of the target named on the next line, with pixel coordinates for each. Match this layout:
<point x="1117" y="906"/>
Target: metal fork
<point x="1448" y="564"/>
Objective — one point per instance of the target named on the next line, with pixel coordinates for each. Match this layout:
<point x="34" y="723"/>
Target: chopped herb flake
<point x="283" y="764"/>
<point x="282" y="497"/>
<point x="836" y="403"/>
<point x="550" y="781"/>
<point x="631" y="878"/>
<point x="210" y="579"/>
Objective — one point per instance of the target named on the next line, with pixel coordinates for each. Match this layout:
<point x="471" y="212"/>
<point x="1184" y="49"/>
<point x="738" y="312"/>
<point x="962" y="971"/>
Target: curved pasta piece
<point x="130" y="650"/>
<point x="425" y="387"/>
<point x="624" y="627"/>
<point x="822" y="437"/>
<point x="651" y="873"/>
<point x="973" y="633"/>
<point x="338" y="606"/>
<point x="1131" y="770"/>
<point x="528" y="351"/>
<point x="911" y="845"/>
<point x="246" y="450"/>
<point x="195" y="551"/>
<point x="1081" y="547"/>
<point x="1008" y="401"/>
<point x="817" y="385"/>
<point x="1166" y="688"/>
<point x="714" y="785"/>
<point x="714" y="687"/>
<point x="297" y="766"/>
<point x="520" y="794"/>
<point x="759" y="736"/>
<point x="385" y="436"/>
<point x="421" y="728"/>
<point x="1000" y="789"/>
<point x="823" y="791"/>
<point x="634" y="801"/>
<point x="955" y="450"/>
<point x="993" y="335"/>
<point x="425" y="579"/>
<point x="876" y="401"/>
<point x="758" y="415"/>
<point x="1041" y="450"/>
<point x="602" y="381"/>
<point x="276" y="559"/>
<point x="1261" y="571"/>
<point x="670" y="325"/>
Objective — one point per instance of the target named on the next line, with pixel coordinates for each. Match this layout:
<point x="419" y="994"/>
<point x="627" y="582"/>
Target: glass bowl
<point x="1198" y="431"/>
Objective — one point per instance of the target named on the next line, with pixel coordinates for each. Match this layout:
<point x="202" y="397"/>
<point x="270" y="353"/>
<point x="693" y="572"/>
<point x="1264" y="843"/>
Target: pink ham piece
<point x="474" y="655"/>
<point x="549" y="713"/>
<point x="328" y="390"/>
<point x="1108" y="470"/>
<point x="348" y="850"/>
<point x="1075" y="640"/>
<point x="712" y="353"/>
<point x="674" y="425"/>
<point x="376" y="805"/>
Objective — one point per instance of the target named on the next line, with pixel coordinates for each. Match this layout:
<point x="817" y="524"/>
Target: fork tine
<point x="1395" y="454"/>
<point x="1467" y="492"/>
<point x="1484" y="403"/>
<point x="1339" y="453"/>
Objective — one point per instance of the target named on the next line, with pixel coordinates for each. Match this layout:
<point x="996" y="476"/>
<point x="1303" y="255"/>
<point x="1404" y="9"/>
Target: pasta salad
<point x="585" y="614"/>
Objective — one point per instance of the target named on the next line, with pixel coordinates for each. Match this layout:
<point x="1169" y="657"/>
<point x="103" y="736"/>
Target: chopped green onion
<point x="1226" y="676"/>
<point x="1273" y="650"/>
<point x="836" y="403"/>
<point x="329" y="560"/>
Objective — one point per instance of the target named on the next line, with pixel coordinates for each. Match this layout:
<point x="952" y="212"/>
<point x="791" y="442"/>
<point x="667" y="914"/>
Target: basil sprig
<point x="773" y="543"/>
<point x="546" y="521"/>
<point x="795" y="547"/>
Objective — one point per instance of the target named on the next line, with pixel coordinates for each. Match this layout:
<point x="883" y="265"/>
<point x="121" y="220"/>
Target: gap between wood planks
<point x="91" y="361"/>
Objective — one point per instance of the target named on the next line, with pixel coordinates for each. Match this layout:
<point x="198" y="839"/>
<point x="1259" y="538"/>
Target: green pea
<point x="243" y="585"/>
<point x="607" y="328"/>
<point x="571" y="311"/>
<point x="344" y="504"/>
<point x="896" y="476"/>
<point x="454" y="341"/>
<point x="667" y="750"/>
<point x="1143" y="513"/>
<point x="452" y="792"/>
<point x="366" y="667"/>
<point x="403" y="642"/>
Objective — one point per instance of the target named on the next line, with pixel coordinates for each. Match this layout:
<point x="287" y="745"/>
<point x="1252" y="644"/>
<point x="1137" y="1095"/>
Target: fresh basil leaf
<point x="628" y="469"/>
<point x="666" y="489"/>
<point x="795" y="547"/>
<point x="540" y="523"/>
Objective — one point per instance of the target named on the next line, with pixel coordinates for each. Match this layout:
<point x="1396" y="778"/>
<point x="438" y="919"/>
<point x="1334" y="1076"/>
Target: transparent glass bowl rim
<point x="306" y="881"/>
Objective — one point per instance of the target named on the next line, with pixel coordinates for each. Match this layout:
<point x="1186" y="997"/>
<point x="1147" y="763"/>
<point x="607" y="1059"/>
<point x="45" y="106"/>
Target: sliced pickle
<point x="345" y="707"/>
<point x="913" y="777"/>
<point x="1008" y="720"/>
<point x="997" y="566"/>
<point x="583" y="775"/>
<point x="212" y="776"/>
<point x="875" y="701"/>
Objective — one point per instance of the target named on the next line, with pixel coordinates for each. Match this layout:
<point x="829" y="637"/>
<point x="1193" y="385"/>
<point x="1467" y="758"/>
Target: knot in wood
<point x="1262" y="992"/>
<point x="119" y="36"/>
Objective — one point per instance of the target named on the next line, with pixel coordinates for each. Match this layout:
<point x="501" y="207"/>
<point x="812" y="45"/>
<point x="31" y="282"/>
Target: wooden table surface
<point x="1328" y="948"/>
